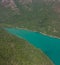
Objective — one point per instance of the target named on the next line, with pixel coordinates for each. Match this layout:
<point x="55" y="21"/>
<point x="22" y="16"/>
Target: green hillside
<point x="15" y="51"/>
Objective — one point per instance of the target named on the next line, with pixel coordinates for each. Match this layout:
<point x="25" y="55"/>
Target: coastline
<point x="10" y="26"/>
<point x="40" y="32"/>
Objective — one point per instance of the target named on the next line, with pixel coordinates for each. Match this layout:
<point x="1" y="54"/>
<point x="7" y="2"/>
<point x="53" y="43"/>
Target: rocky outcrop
<point x="12" y="4"/>
<point x="9" y="3"/>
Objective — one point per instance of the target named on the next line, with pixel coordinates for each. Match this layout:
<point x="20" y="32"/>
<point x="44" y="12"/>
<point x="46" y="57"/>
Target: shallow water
<point x="49" y="45"/>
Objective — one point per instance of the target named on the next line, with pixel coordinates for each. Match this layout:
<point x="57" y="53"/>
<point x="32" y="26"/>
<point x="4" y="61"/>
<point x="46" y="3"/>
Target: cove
<point x="49" y="45"/>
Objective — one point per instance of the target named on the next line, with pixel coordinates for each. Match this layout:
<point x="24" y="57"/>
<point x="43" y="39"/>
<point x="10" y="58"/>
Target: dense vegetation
<point x="43" y="16"/>
<point x="15" y="51"/>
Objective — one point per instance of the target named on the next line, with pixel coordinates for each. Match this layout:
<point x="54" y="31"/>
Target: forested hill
<point x="38" y="15"/>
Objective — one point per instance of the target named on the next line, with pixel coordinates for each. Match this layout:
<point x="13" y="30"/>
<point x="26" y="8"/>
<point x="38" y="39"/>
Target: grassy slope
<point x="15" y="51"/>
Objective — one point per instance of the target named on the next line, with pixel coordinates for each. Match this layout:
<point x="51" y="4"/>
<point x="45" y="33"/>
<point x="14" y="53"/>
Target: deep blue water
<point x="49" y="45"/>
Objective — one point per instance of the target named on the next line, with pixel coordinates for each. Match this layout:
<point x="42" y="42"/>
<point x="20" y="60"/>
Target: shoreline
<point x="10" y="26"/>
<point x="39" y="32"/>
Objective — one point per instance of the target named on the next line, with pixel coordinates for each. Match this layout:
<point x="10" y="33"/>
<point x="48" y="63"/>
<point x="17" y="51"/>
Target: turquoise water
<point x="49" y="45"/>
